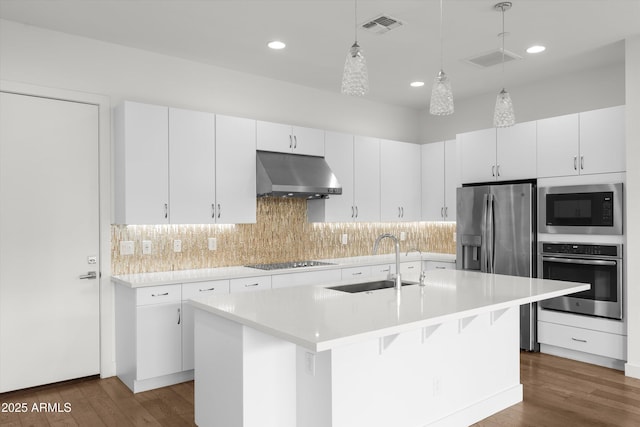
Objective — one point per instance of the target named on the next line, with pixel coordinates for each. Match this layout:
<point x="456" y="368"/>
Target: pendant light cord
<point x="355" y="21"/>
<point x="441" y="43"/>
<point x="503" y="80"/>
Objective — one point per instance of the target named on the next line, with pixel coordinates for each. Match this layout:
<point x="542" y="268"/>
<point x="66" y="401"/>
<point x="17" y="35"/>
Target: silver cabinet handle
<point x="356" y="212"/>
<point x="357" y="274"/>
<point x="353" y="212"/>
<point x="442" y="211"/>
<point x="575" y="163"/>
<point x="219" y="210"/>
<point x="213" y="210"/>
<point x="446" y="211"/>
<point x="160" y="295"/>
<point x="295" y="141"/>
<point x="493" y="170"/>
<point x="581" y="162"/>
<point x="250" y="285"/>
<point x="578" y="339"/>
<point x="90" y="275"/>
<point x="440" y="268"/>
<point x="206" y="290"/>
<point x="411" y="267"/>
<point x="166" y="210"/>
<point x="402" y="211"/>
<point x="290" y="141"/>
<point x="179" y="319"/>
<point x="398" y="211"/>
<point x="498" y="170"/>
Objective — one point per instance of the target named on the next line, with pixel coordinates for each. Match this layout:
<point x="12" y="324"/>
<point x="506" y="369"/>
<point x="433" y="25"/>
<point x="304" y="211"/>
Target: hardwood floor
<point x="557" y="392"/>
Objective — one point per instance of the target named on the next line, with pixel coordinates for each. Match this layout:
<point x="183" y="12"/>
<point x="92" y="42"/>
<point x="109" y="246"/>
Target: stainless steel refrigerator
<point x="496" y="233"/>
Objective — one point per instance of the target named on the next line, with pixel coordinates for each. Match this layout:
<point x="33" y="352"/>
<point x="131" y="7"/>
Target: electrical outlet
<point x="454" y="237"/>
<point x="403" y="235"/>
<point x="146" y="247"/>
<point x="126" y="247"/>
<point x="344" y="239"/>
<point x="177" y="246"/>
<point x="212" y="243"/>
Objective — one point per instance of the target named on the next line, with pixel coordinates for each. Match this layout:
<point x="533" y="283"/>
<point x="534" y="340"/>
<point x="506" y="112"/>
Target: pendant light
<point x="441" y="103"/>
<point x="503" y="115"/>
<point x="355" y="79"/>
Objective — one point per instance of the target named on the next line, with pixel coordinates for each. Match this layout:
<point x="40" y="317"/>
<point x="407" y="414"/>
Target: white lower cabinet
<point x="584" y="340"/>
<point x="248" y="284"/>
<point x="193" y="290"/>
<point x="410" y="268"/>
<point x="356" y="272"/>
<point x="439" y="265"/>
<point x="159" y="340"/>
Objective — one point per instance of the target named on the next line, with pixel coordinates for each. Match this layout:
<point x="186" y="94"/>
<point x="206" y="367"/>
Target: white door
<point x="339" y="156"/>
<point x="557" y="146"/>
<point x="433" y="185"/>
<point x="451" y="179"/>
<point x="49" y="229"/>
<point x="516" y="152"/>
<point x="366" y="179"/>
<point x="602" y="141"/>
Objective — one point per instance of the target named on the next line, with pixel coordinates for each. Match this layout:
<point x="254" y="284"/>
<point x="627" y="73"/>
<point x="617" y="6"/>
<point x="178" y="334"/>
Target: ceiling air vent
<point x="492" y="58"/>
<point x="381" y="24"/>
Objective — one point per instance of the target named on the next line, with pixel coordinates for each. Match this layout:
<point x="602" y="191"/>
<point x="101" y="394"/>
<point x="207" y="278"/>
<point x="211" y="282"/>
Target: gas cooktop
<point x="283" y="265"/>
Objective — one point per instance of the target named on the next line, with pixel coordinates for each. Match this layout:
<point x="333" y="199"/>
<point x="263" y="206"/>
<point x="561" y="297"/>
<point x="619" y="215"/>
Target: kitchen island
<point x="442" y="354"/>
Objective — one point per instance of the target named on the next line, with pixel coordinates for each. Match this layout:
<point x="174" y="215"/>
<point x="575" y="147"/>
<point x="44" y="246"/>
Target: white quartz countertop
<point x="223" y="273"/>
<point x="319" y="319"/>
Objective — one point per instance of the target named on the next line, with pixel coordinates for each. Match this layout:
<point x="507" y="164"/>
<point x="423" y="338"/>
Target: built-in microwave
<point x="580" y="209"/>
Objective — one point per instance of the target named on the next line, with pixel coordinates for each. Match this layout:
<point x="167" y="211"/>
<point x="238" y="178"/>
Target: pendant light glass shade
<point x="441" y="96"/>
<point x="355" y="79"/>
<point x="503" y="115"/>
<point x="441" y="103"/>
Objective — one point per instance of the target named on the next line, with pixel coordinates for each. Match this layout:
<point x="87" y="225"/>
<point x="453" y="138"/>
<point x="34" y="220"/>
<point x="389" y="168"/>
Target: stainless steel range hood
<point x="293" y="175"/>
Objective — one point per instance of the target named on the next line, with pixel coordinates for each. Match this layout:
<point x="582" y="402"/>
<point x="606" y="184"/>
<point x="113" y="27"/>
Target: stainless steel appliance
<point x="597" y="264"/>
<point x="285" y="265"/>
<point x="581" y="209"/>
<point x="496" y="234"/>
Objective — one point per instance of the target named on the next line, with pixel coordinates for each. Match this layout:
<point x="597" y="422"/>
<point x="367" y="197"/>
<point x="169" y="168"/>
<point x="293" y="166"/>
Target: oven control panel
<point x="581" y="249"/>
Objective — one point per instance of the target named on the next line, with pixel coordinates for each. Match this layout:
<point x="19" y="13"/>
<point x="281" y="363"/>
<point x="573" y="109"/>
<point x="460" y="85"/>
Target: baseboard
<point x="583" y="357"/>
<point x="163" y="381"/>
<point x="632" y="370"/>
<point x="482" y="409"/>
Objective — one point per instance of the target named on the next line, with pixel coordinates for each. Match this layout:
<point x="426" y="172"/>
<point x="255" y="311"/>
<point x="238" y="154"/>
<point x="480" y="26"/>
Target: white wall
<point x="633" y="204"/>
<point x="584" y="91"/>
<point x="47" y="58"/>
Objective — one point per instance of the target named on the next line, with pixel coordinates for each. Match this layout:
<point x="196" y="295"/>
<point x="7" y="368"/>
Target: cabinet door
<point x="478" y="150"/>
<point x="602" y="141"/>
<point x="235" y="170"/>
<point x="339" y="154"/>
<point x="158" y="340"/>
<point x="367" y="179"/>
<point x="248" y="284"/>
<point x="352" y="273"/>
<point x="308" y="141"/>
<point x="516" y="152"/>
<point x="274" y="137"/>
<point x="411" y="269"/>
<point x="451" y="179"/>
<point x="558" y="146"/>
<point x="399" y="181"/>
<point x="192" y="290"/>
<point x="191" y="167"/>
<point x="433" y="181"/>
<point x="142" y="164"/>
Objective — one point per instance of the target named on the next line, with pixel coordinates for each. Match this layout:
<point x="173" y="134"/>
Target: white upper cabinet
<point x="439" y="181"/>
<point x="290" y="139"/>
<point x="399" y="181"/>
<point x="192" y="166"/>
<point x="183" y="167"/>
<point x="516" y="152"/>
<point x="478" y="150"/>
<point x="356" y="163"/>
<point x="501" y="154"/>
<point x="141" y="164"/>
<point x="558" y="139"/>
<point x="585" y="143"/>
<point x="235" y="170"/>
<point x="602" y="140"/>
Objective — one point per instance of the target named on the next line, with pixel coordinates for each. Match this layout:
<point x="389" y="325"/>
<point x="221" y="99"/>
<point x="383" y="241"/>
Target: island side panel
<point x="455" y="373"/>
<point x="242" y="376"/>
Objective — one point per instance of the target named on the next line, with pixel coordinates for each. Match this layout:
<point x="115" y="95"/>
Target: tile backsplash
<point x="280" y="234"/>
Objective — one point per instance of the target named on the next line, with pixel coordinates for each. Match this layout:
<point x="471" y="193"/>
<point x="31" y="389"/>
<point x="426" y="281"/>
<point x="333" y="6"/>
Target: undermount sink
<point x="367" y="286"/>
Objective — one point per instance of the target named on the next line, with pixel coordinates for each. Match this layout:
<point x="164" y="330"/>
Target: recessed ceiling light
<point x="417" y="84"/>
<point x="276" y="45"/>
<point x="536" y="49"/>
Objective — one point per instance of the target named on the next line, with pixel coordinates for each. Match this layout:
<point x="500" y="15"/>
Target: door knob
<point x="89" y="275"/>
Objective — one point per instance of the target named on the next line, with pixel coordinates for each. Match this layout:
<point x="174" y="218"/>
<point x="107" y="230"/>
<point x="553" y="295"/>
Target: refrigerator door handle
<point x="483" y="235"/>
<point x="492" y="235"/>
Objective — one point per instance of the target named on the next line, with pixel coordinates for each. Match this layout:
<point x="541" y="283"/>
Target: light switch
<point x="212" y="243"/>
<point x="126" y="247"/>
<point x="146" y="247"/>
<point x="403" y="235"/>
<point x="177" y="245"/>
<point x="344" y="239"/>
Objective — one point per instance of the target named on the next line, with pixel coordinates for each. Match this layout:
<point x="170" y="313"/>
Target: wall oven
<point x="597" y="264"/>
<point x="580" y="209"/>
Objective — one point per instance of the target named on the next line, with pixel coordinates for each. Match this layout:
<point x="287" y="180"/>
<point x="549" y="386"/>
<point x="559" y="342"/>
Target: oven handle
<point x="580" y="261"/>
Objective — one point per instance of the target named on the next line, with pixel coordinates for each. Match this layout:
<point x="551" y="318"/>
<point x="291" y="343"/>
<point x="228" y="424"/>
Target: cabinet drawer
<point x="159" y="294"/>
<point x="355" y="272"/>
<point x="586" y="340"/>
<point x="382" y="269"/>
<point x="246" y="284"/>
<point x="439" y="265"/>
<point x="192" y="290"/>
<point x="305" y="278"/>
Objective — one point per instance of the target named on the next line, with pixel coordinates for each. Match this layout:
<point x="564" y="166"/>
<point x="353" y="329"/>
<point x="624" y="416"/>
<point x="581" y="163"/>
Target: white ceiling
<point x="233" y="34"/>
